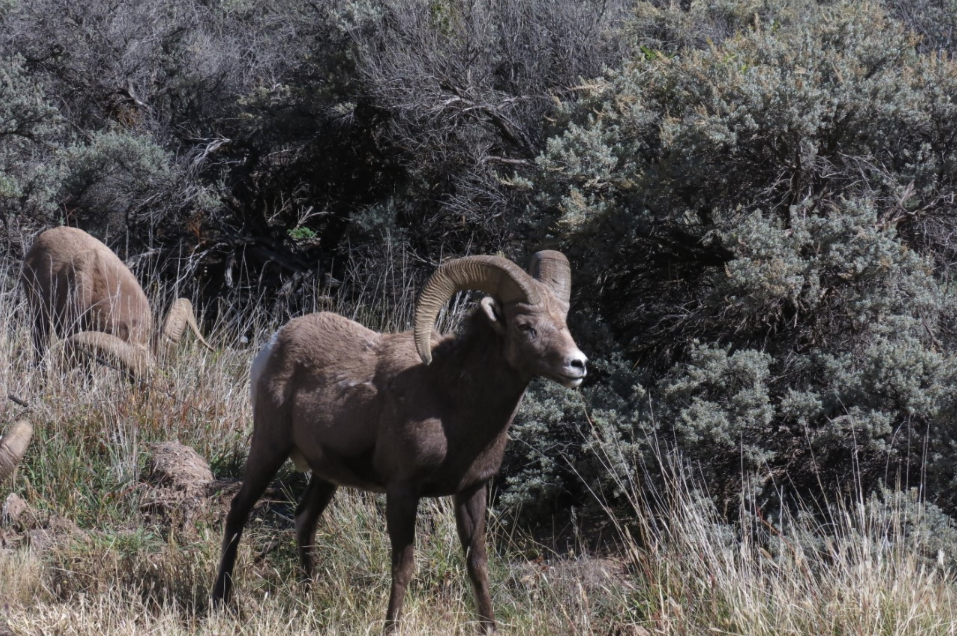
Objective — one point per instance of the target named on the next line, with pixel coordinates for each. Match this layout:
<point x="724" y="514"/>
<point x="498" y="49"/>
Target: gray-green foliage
<point x="764" y="197"/>
<point x="344" y="120"/>
<point x="719" y="402"/>
<point x="921" y="527"/>
<point x="561" y="440"/>
<point x="30" y="129"/>
<point x="543" y="438"/>
<point x="120" y="180"/>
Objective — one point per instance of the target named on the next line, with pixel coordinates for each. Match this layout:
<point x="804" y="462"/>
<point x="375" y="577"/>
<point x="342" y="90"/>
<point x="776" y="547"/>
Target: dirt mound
<point x="175" y="483"/>
<point x="175" y="466"/>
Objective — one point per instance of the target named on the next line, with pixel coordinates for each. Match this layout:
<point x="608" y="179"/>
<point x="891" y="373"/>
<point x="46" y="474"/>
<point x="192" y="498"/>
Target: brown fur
<point x="78" y="288"/>
<point x="76" y="283"/>
<point x="360" y="409"/>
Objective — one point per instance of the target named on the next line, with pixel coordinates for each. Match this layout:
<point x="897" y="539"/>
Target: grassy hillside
<point x="103" y="549"/>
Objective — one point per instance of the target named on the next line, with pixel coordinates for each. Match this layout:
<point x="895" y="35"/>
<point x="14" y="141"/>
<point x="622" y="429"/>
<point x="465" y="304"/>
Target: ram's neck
<point x="472" y="367"/>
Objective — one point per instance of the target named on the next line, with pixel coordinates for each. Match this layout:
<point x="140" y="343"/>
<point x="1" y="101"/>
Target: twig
<point x="18" y="401"/>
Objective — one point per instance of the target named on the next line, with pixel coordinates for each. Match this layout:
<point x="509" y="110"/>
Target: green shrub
<point x="30" y="129"/>
<point x="759" y="206"/>
<point x="564" y="447"/>
<point x="122" y="181"/>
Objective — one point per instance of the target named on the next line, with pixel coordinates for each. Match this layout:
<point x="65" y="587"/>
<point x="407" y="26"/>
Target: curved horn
<point x="493" y="275"/>
<point x="552" y="268"/>
<point x="13" y="446"/>
<point x="179" y="317"/>
<point x="136" y="361"/>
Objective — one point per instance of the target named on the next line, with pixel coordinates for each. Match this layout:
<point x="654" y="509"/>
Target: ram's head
<point x="527" y="308"/>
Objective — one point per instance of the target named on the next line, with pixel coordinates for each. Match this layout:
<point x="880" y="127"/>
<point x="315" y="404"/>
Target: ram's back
<point x="78" y="283"/>
<point x="314" y="384"/>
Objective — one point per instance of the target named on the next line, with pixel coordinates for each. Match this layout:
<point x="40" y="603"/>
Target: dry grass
<point x="857" y="568"/>
<point x="853" y="569"/>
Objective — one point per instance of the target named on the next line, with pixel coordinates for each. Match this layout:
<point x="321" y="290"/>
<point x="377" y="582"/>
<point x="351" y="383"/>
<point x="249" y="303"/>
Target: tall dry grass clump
<point x="863" y="565"/>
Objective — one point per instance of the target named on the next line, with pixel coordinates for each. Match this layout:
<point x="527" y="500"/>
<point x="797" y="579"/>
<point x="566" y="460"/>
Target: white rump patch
<point x="259" y="365"/>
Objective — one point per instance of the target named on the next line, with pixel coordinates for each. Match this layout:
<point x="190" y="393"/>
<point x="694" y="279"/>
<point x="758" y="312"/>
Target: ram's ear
<point x="493" y="311"/>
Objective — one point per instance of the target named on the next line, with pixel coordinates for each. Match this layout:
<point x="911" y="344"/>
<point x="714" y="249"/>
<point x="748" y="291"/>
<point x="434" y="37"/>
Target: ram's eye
<point x="527" y="328"/>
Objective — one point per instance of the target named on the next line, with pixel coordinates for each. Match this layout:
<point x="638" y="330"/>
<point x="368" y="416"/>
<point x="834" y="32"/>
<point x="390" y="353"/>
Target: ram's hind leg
<point x="263" y="463"/>
<point x="317" y="496"/>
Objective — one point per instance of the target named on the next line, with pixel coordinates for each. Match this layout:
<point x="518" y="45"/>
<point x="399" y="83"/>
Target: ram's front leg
<point x="470" y="518"/>
<point x="400" y="509"/>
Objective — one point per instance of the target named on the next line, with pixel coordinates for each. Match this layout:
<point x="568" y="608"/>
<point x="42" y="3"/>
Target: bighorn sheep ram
<point x="410" y="414"/>
<point x="13" y="445"/>
<point x="77" y="286"/>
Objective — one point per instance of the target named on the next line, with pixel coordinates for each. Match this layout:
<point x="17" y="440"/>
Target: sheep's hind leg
<point x="263" y="464"/>
<point x="317" y="496"/>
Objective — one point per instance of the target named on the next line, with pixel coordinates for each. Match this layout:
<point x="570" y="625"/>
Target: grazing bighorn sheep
<point x="13" y="446"/>
<point x="78" y="287"/>
<point x="363" y="409"/>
